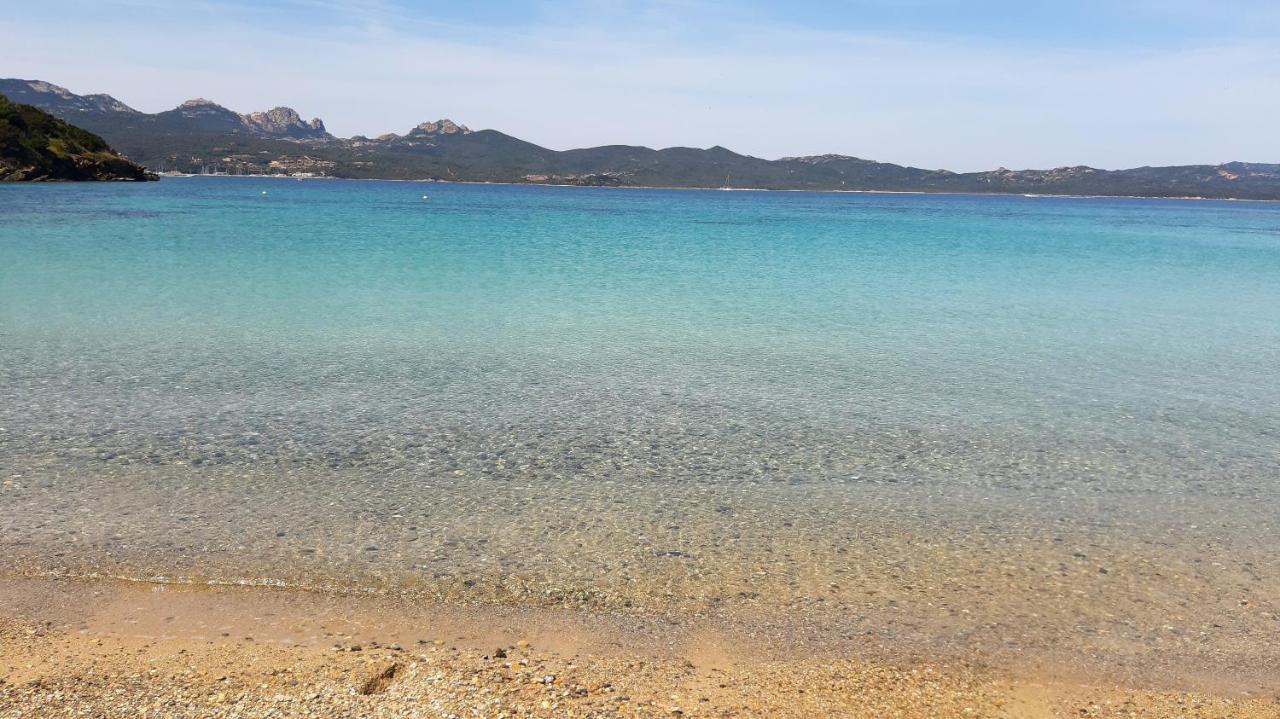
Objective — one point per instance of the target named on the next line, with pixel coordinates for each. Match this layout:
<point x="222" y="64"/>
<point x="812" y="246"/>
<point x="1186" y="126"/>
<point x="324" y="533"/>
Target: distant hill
<point x="37" y="146"/>
<point x="201" y="135"/>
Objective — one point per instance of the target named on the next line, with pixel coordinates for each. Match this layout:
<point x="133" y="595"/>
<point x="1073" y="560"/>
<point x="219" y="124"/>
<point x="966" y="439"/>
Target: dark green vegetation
<point x="35" y="145"/>
<point x="202" y="136"/>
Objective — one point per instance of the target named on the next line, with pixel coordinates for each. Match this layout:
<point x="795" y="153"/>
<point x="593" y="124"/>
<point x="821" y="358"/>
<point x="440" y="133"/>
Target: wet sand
<point x="1166" y="592"/>
<point x="112" y="648"/>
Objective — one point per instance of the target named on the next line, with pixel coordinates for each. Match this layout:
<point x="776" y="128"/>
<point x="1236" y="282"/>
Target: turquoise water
<point x="627" y="398"/>
<point x="359" y="310"/>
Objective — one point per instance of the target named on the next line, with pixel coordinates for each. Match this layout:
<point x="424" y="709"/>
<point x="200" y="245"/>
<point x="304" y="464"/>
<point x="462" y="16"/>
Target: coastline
<point x="946" y="193"/>
<point x="109" y="647"/>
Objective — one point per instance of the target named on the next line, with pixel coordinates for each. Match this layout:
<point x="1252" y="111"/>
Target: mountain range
<point x="200" y="134"/>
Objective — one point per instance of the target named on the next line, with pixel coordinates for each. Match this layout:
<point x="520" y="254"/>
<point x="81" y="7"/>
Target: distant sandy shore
<point x="108" y="648"/>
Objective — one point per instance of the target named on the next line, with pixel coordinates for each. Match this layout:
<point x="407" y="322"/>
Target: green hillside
<point x="35" y="145"/>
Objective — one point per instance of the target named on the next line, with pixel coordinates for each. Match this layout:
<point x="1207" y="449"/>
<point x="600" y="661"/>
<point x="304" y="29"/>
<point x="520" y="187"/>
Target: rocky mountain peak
<point x="278" y="122"/>
<point x="44" y="93"/>
<point x="50" y="89"/>
<point x="442" y="127"/>
<point x="201" y="106"/>
<point x="107" y="103"/>
<point x="277" y="116"/>
<point x="283" y="121"/>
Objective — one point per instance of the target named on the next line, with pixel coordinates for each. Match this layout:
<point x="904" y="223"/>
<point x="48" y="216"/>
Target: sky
<point x="963" y="85"/>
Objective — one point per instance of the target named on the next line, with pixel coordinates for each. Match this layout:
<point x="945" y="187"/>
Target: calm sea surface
<point x="1000" y="423"/>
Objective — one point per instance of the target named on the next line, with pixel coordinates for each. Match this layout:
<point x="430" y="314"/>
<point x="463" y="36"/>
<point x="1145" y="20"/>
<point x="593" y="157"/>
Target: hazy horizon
<point x="932" y="84"/>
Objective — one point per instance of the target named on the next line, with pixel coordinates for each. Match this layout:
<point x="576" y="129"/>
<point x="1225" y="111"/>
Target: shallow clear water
<point x="649" y="399"/>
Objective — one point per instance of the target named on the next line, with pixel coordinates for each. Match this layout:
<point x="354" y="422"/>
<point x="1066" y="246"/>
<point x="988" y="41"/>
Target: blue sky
<point x="932" y="83"/>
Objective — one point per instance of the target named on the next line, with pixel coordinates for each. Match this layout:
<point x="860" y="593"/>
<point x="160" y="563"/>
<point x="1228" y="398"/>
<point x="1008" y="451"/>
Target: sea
<point x="998" y="425"/>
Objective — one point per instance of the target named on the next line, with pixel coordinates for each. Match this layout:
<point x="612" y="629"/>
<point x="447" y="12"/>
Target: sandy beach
<point x="109" y="648"/>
